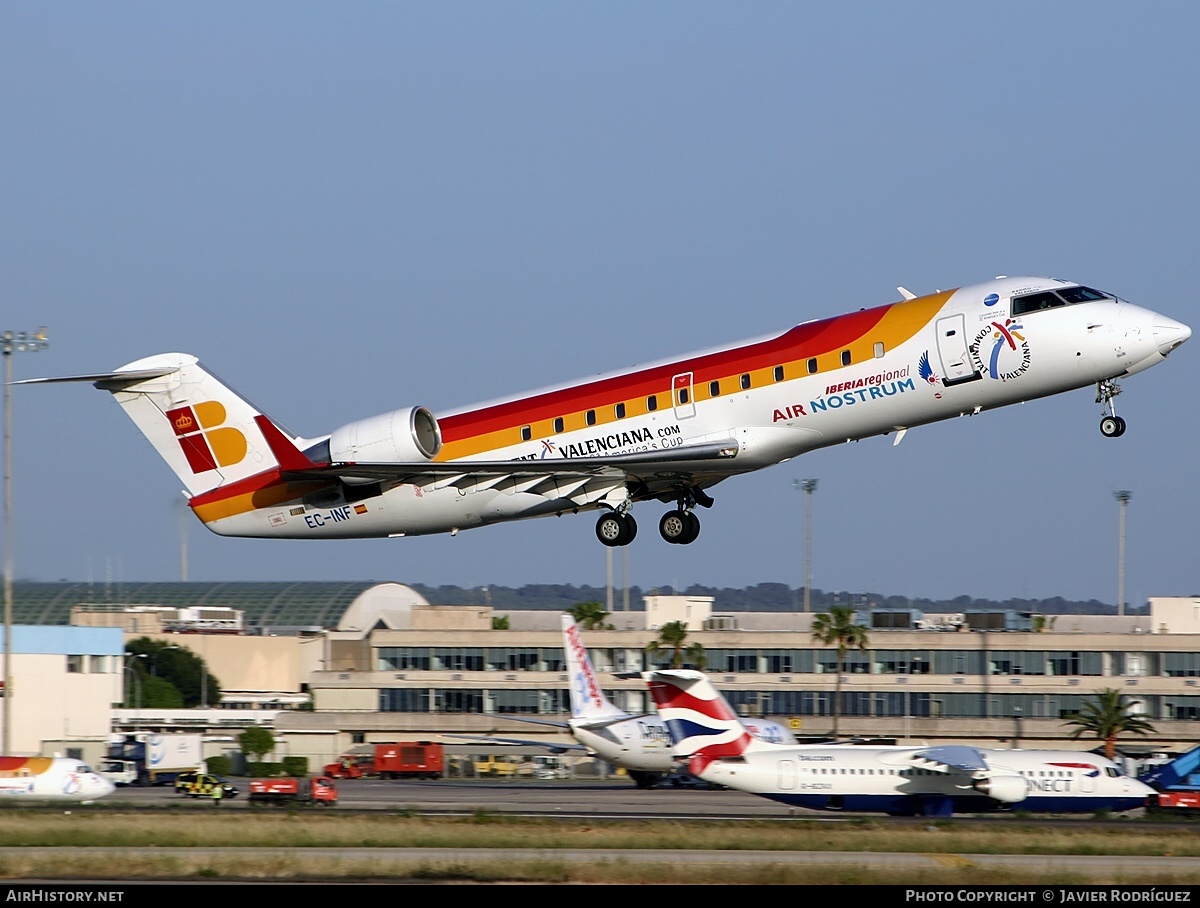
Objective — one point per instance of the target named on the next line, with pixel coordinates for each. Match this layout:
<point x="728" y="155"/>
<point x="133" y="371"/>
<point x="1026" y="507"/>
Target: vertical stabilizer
<point x="587" y="699"/>
<point x="208" y="433"/>
<point x="703" y="725"/>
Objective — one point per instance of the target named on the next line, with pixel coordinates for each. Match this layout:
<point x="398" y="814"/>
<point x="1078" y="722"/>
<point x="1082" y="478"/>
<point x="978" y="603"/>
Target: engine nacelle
<point x="402" y="436"/>
<point x="1005" y="789"/>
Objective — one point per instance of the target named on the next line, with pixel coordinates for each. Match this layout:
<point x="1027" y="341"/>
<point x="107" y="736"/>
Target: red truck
<point x="320" y="791"/>
<point x="405" y="760"/>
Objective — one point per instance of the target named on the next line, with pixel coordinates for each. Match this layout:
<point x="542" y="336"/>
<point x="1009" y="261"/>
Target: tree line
<point x="761" y="597"/>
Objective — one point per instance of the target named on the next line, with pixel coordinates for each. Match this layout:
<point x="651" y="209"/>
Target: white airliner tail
<point x="588" y="703"/>
<point x="209" y="434"/>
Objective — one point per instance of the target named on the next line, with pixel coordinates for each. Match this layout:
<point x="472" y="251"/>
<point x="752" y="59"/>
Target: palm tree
<point x="837" y="628"/>
<point x="590" y="616"/>
<point x="672" y="636"/>
<point x="1106" y="716"/>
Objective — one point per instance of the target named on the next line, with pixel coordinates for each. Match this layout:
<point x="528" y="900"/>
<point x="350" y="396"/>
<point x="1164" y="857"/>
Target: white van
<point x="548" y="767"/>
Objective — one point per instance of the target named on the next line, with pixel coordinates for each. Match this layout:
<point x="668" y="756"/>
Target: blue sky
<point x="344" y="208"/>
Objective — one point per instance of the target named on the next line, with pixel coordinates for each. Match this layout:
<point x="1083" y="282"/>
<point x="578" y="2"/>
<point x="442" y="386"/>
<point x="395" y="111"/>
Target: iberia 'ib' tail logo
<point x="207" y="443"/>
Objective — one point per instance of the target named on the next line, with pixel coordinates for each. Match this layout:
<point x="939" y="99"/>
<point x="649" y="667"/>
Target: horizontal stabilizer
<point x="106" y="381"/>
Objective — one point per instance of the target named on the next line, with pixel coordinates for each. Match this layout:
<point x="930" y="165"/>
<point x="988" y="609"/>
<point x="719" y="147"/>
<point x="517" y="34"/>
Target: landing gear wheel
<point x="630" y="529"/>
<point x="679" y="527"/>
<point x="609" y="528"/>
<point x="693" y="529"/>
<point x="615" y="529"/>
<point x="672" y="526"/>
<point x="1112" y="427"/>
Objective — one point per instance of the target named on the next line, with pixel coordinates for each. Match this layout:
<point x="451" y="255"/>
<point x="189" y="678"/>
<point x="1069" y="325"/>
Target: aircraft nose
<point x="1169" y="334"/>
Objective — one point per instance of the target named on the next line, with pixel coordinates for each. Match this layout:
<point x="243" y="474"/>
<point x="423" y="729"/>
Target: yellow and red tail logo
<point x="207" y="443"/>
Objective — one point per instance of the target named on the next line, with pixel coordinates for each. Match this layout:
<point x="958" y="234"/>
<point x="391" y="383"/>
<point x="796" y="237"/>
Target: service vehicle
<point x="395" y="760"/>
<point x="201" y="785"/>
<point x="320" y="791"/>
<point x="144" y="758"/>
<point x="494" y="765"/>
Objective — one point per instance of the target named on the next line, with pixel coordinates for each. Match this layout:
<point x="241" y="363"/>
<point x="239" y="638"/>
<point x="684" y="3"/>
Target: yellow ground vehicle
<point x="494" y="765"/>
<point x="201" y="785"/>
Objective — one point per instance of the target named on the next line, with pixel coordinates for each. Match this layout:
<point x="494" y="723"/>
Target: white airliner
<point x="667" y="431"/>
<point x="641" y="745"/>
<point x="50" y="779"/>
<point x="895" y="779"/>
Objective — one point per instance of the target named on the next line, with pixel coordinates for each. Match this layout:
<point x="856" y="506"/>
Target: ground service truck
<point x="144" y="758"/>
<point x="404" y="760"/>
<point x="320" y="791"/>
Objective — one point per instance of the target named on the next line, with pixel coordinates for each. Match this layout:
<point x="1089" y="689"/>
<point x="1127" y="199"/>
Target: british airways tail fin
<point x="703" y="725"/>
<point x="207" y="433"/>
<point x="588" y="702"/>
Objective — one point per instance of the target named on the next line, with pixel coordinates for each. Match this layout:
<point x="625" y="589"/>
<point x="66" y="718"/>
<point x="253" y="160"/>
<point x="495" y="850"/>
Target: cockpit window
<point x="1048" y="299"/>
<point x="1036" y="302"/>
<point x="1082" y="295"/>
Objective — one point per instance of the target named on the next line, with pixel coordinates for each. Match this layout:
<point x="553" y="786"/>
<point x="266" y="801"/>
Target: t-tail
<point x="588" y="702"/>
<point x="703" y="726"/>
<point x="210" y="435"/>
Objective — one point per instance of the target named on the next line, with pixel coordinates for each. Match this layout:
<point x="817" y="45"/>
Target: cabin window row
<point x="683" y="395"/>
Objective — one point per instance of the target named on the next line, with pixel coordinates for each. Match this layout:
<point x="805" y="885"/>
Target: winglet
<point x="289" y="456"/>
<point x="906" y="293"/>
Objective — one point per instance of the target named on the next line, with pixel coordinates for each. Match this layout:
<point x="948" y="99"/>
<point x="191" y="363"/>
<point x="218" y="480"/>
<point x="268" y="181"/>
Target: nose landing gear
<point x="1111" y="425"/>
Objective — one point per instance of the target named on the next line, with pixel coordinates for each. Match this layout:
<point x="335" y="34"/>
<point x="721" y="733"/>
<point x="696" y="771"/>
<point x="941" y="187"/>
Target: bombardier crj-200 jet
<point x="667" y="431"/>
<point x="895" y="779"/>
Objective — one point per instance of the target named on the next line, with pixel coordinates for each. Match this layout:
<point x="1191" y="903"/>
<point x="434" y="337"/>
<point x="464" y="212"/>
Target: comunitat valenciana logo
<point x="206" y="442"/>
<point x="1001" y="350"/>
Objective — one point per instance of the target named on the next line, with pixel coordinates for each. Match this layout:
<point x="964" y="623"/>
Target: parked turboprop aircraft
<point x="50" y="779"/>
<point x="639" y="744"/>
<point x="667" y="432"/>
<point x="894" y="779"/>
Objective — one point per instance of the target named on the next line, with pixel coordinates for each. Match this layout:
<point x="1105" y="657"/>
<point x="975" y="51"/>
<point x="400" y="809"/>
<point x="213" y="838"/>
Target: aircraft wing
<point x="651" y="468"/>
<point x="521" y="742"/>
<point x="952" y="758"/>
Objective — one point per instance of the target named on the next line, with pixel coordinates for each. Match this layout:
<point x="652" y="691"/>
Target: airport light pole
<point x="807" y="486"/>
<point x="11" y="342"/>
<point x="1122" y="497"/>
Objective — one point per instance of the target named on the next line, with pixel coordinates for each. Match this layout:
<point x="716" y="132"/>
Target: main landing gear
<point x="1111" y="425"/>
<point x="678" y="527"/>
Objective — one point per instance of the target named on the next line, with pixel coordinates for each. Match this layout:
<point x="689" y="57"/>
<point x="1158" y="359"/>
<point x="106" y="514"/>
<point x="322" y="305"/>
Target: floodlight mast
<point x="1122" y="497"/>
<point x="11" y="342"/>
<point x="807" y="486"/>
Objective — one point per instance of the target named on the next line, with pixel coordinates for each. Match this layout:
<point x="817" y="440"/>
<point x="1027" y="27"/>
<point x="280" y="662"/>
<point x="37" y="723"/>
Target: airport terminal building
<point x="356" y="664"/>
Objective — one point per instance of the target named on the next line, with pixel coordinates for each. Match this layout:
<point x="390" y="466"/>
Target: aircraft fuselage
<point x="871" y="372"/>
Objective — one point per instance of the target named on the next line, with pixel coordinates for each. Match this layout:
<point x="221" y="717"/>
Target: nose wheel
<point x="1112" y="427"/>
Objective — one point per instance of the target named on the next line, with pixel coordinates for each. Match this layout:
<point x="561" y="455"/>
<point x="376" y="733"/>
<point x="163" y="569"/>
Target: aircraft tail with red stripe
<point x="703" y="726"/>
<point x="209" y="434"/>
